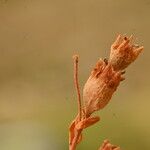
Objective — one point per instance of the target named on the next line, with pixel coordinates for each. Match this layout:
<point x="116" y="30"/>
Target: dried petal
<point x="123" y="52"/>
<point x="100" y="87"/>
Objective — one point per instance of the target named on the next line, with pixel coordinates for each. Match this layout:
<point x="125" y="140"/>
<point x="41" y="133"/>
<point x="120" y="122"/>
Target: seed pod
<point x="100" y="87"/>
<point x="123" y="52"/>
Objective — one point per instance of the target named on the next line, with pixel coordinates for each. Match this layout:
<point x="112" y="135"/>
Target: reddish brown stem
<point x="77" y="133"/>
<point x="76" y="59"/>
<point x="75" y="141"/>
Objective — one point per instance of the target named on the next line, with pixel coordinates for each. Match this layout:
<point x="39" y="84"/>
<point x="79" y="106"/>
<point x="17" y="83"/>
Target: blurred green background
<point x="37" y="96"/>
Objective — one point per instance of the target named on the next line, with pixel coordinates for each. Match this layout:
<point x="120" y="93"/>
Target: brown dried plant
<point x="100" y="86"/>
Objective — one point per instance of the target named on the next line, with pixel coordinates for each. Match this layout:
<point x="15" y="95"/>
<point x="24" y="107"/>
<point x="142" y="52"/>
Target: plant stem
<point x="76" y="83"/>
<point x="75" y="141"/>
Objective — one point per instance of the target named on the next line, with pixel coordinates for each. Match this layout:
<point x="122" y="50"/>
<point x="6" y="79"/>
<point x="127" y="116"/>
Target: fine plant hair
<point x="103" y="81"/>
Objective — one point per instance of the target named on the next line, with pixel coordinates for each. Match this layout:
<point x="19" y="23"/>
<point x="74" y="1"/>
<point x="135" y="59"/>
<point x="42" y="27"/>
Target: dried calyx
<point x="124" y="52"/>
<point x="100" y="87"/>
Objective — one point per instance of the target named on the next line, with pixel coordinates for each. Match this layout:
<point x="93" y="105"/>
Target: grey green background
<point x="37" y="97"/>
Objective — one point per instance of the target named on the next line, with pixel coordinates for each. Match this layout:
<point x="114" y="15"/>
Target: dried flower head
<point x="100" y="86"/>
<point x="123" y="52"/>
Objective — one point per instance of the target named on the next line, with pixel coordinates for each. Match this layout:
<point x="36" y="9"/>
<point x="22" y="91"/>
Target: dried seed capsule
<point x="100" y="87"/>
